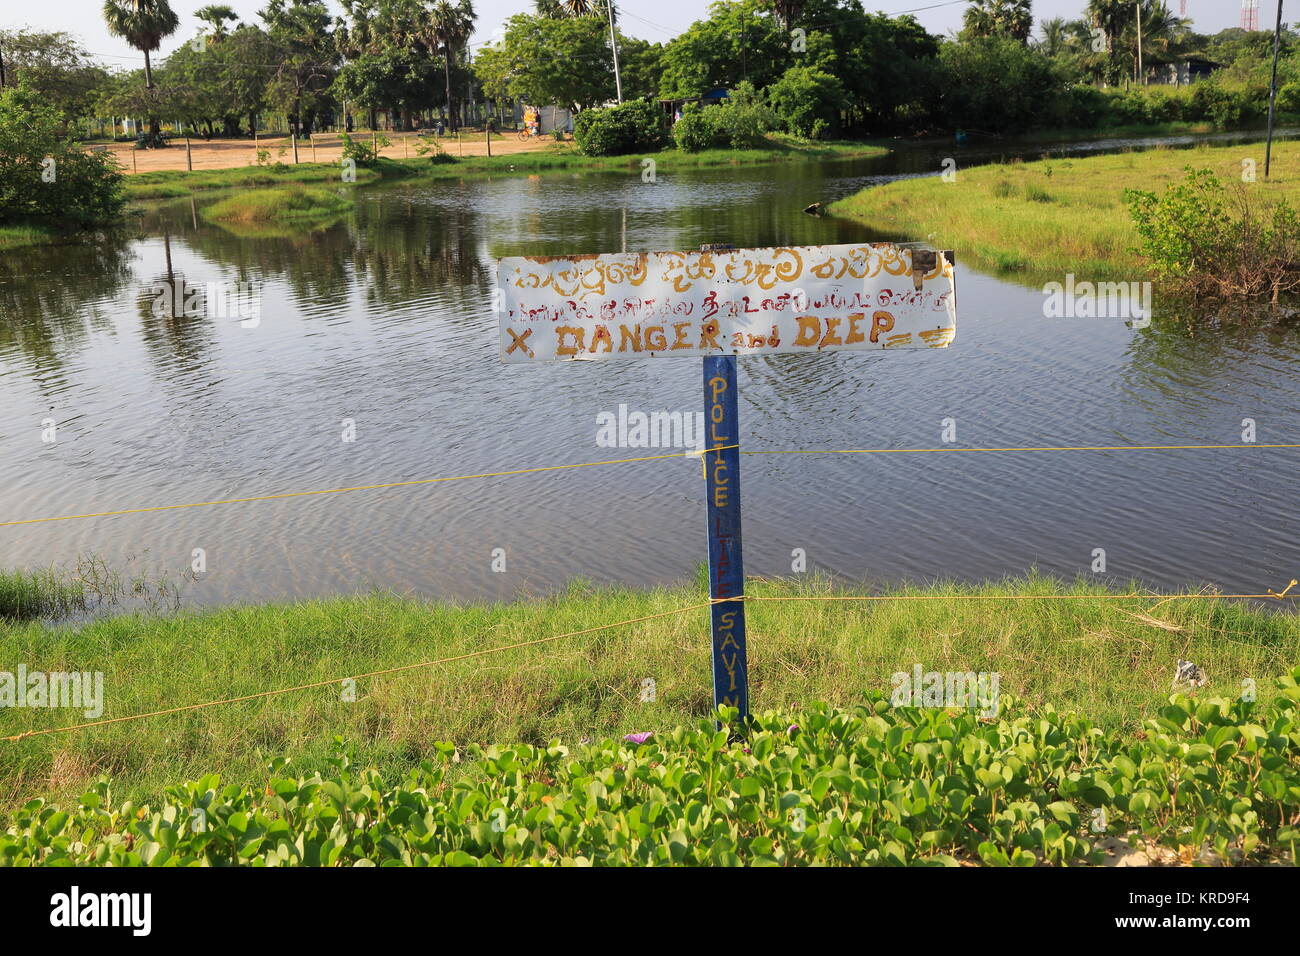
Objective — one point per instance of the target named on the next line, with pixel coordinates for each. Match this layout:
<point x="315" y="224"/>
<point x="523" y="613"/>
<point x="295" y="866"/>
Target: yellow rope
<point x="1003" y="597"/>
<point x="897" y="451"/>
<point x="337" y="680"/>
<point x="622" y="461"/>
<point x="334" y="491"/>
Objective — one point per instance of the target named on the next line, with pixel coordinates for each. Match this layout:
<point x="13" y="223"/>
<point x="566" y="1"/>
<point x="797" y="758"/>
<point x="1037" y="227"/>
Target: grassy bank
<point x="1110" y="659"/>
<point x="277" y="205"/>
<point x="1041" y="220"/>
<point x="172" y="184"/>
<point x="567" y="156"/>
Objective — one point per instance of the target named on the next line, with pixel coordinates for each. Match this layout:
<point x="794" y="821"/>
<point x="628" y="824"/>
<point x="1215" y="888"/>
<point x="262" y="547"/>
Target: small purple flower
<point x="638" y="738"/>
<point x="792" y="728"/>
<point x="748" y="751"/>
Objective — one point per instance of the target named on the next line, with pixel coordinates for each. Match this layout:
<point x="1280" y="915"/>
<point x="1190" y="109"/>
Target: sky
<point x="655" y="20"/>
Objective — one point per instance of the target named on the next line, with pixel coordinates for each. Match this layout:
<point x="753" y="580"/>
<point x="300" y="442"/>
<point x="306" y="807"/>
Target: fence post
<point x="726" y="565"/>
<point x="189" y="158"/>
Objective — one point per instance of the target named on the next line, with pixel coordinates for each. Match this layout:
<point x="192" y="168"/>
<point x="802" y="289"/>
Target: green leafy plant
<point x="808" y="101"/>
<point x="44" y="176"/>
<point x="877" y="784"/>
<point x="361" y="152"/>
<point x="632" y="127"/>
<point x="430" y="147"/>
<point x="1202" y="245"/>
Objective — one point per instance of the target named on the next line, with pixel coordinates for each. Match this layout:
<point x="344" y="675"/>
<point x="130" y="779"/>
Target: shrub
<point x="995" y="84"/>
<point x="429" y="146"/>
<point x="694" y="131"/>
<point x="1227" y="107"/>
<point x="808" y="101"/>
<point x="741" y="122"/>
<point x="361" y="152"/>
<point x="874" y="784"/>
<point x="1288" y="97"/>
<point x="1083" y="107"/>
<point x="44" y="175"/>
<point x="743" y="119"/>
<point x="633" y="127"/>
<point x="1194" y="239"/>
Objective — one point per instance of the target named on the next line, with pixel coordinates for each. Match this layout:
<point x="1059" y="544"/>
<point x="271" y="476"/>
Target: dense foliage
<point x="44" y="176"/>
<point x="1212" y="779"/>
<point x="996" y="84"/>
<point x="412" y="61"/>
<point x="808" y="101"/>
<point x="741" y="121"/>
<point x="637" y="126"/>
<point x="1195" y="238"/>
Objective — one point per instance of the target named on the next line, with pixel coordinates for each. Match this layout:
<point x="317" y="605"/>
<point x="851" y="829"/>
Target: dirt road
<point x="322" y="148"/>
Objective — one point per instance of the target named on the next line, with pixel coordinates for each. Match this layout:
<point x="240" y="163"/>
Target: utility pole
<point x="744" y="47"/>
<point x="613" y="42"/>
<point x="1272" y="90"/>
<point x="1142" y="77"/>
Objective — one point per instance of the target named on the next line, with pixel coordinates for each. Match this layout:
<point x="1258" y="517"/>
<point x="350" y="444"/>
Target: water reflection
<point x="383" y="320"/>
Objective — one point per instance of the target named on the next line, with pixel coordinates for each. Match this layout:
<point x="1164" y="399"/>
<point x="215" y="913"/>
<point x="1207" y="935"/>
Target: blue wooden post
<point x="726" y="567"/>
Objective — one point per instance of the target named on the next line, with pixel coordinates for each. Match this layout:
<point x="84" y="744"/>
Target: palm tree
<point x="215" y="15"/>
<point x="448" y="25"/>
<point x="559" y="9"/>
<point x="1165" y="37"/>
<point x="143" y="24"/>
<point x="1054" y="36"/>
<point x="1009" y="18"/>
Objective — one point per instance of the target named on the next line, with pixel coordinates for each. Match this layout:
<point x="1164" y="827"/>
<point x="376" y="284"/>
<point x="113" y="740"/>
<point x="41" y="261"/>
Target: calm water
<point x="383" y="318"/>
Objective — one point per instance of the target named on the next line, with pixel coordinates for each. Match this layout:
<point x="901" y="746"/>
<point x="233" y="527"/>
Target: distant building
<point x="1186" y="71"/>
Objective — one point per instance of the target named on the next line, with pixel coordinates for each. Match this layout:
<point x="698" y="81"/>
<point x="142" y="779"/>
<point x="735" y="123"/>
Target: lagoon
<point x="382" y="319"/>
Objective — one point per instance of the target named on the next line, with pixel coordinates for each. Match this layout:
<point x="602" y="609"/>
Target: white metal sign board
<point x="735" y="302"/>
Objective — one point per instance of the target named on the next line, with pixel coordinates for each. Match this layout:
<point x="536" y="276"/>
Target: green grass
<point x="1044" y="219"/>
<point x="567" y="156"/>
<point x="172" y="183"/>
<point x="1105" y="658"/>
<point x="277" y="205"/>
<point x="31" y="594"/>
<point x="18" y="236"/>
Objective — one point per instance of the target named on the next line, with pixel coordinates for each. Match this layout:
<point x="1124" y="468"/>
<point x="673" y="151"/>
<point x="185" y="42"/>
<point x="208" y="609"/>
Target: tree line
<point x="841" y="69"/>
